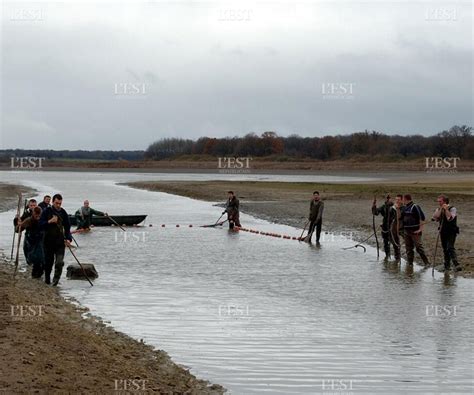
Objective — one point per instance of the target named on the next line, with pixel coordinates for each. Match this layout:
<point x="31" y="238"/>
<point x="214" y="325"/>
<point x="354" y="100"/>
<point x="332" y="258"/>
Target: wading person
<point x="45" y="203"/>
<point x="84" y="215"/>
<point x="232" y="210"/>
<point x="26" y="214"/>
<point x="413" y="218"/>
<point x="388" y="213"/>
<point x="396" y="228"/>
<point x="54" y="222"/>
<point x="316" y="208"/>
<point x="34" y="241"/>
<point x="446" y="216"/>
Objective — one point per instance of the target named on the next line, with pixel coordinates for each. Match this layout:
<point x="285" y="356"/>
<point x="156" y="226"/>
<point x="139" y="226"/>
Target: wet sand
<point x="347" y="206"/>
<point x="47" y="346"/>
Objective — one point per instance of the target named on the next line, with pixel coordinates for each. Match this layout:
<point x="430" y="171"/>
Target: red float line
<point x="255" y="231"/>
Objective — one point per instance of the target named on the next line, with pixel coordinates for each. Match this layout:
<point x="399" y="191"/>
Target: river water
<point x="259" y="314"/>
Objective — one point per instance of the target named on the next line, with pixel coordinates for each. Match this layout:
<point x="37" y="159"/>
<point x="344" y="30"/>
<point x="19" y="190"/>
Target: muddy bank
<point x="347" y="206"/>
<point x="48" y="347"/>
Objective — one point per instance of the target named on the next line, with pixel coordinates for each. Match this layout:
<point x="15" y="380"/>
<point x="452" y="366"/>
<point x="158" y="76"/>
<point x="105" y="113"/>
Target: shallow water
<point x="259" y="314"/>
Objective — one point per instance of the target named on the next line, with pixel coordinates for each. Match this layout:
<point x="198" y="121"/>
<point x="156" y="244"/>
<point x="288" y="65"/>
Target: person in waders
<point x="316" y="208"/>
<point x="232" y="210"/>
<point x="84" y="216"/>
<point x="34" y="242"/>
<point x="446" y="216"/>
<point x="412" y="218"/>
<point x="55" y="224"/>
<point x="396" y="228"/>
<point x="389" y="216"/>
<point x="26" y="214"/>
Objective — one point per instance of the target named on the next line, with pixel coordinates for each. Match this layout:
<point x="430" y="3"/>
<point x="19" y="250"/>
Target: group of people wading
<point x="404" y="219"/>
<point x="48" y="229"/>
<point x="48" y="233"/>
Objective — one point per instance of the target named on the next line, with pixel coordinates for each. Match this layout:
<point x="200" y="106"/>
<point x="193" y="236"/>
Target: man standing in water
<point x="396" y="227"/>
<point x="232" y="210"/>
<point x="84" y="216"/>
<point x="54" y="222"/>
<point x="412" y="218"/>
<point x="45" y="203"/>
<point x="448" y="229"/>
<point x="388" y="217"/>
<point x="316" y="208"/>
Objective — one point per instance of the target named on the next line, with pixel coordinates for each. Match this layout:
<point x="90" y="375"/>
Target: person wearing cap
<point x="389" y="216"/>
<point x="232" y="210"/>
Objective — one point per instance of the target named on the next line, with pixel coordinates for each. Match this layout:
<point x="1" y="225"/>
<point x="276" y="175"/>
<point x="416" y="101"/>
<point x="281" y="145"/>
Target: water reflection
<point x="259" y="314"/>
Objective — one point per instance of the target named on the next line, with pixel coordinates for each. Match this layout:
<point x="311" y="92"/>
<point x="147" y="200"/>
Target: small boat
<point x="102" y="220"/>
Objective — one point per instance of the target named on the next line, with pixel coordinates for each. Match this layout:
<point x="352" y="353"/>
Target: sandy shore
<point x="347" y="206"/>
<point x="48" y="347"/>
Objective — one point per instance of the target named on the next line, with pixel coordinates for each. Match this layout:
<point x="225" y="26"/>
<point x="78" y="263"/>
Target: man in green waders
<point x="84" y="216"/>
<point x="316" y="209"/>
<point x="232" y="210"/>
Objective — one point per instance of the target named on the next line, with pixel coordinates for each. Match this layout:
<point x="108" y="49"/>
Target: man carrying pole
<point x="26" y="214"/>
<point x="232" y="210"/>
<point x="34" y="240"/>
<point x="315" y="217"/>
<point x="388" y="216"/>
<point x="84" y="215"/>
<point x="54" y="222"/>
<point x="446" y="216"/>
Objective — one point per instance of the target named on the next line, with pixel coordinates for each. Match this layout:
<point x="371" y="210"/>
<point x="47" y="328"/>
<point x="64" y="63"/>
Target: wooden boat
<point x="99" y="220"/>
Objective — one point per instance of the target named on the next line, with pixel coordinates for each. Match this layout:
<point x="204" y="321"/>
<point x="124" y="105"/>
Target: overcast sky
<point x="99" y="75"/>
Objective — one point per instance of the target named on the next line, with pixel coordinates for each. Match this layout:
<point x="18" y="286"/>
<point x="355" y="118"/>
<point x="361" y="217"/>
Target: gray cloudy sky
<point x="99" y="75"/>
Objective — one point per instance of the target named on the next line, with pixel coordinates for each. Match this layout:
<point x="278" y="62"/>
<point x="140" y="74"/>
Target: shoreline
<point x="347" y="207"/>
<point x="50" y="344"/>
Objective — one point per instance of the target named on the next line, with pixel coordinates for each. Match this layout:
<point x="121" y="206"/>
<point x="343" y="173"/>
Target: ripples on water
<point x="259" y="314"/>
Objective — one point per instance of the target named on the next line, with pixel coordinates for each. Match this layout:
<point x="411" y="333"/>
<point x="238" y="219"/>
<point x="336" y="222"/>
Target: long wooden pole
<point x="16" y="227"/>
<point x="115" y="222"/>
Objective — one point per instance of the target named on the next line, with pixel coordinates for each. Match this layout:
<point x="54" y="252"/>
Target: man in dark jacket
<point x="316" y="209"/>
<point x="45" y="203"/>
<point x="412" y="218"/>
<point x="84" y="215"/>
<point x="448" y="229"/>
<point x="232" y="210"/>
<point x="389" y="217"/>
<point x="26" y="214"/>
<point x="34" y="242"/>
<point x="54" y="222"/>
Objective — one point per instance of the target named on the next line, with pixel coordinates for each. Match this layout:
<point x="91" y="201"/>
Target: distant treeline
<point x="77" y="154"/>
<point x="457" y="141"/>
